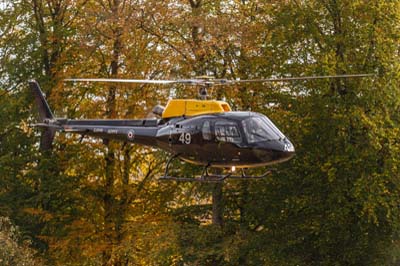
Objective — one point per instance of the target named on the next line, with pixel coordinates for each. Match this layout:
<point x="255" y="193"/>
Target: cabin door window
<point x="227" y="131"/>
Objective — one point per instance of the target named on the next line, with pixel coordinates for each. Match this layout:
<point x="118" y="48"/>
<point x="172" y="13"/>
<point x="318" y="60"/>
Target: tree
<point x="89" y="202"/>
<point x="15" y="250"/>
<point x="319" y="209"/>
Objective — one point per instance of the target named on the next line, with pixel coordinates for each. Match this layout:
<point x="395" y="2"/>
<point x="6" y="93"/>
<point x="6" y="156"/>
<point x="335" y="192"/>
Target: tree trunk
<point x="217" y="205"/>
<point x="110" y="208"/>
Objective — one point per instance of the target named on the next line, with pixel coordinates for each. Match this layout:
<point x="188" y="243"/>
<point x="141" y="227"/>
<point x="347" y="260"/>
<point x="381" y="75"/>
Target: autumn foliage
<point x="95" y="202"/>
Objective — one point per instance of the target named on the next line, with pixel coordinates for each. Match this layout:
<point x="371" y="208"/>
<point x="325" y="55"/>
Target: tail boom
<point x="138" y="131"/>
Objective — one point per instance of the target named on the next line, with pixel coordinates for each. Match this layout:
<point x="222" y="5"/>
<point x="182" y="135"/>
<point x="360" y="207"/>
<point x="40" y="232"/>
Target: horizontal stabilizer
<point x="45" y="125"/>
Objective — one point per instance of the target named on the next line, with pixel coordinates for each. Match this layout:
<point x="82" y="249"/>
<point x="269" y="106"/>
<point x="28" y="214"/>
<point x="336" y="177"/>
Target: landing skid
<point x="207" y="177"/>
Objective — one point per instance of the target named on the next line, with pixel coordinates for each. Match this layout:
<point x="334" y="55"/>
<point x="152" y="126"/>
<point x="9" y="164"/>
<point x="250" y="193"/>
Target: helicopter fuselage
<point x="240" y="139"/>
<point x="220" y="138"/>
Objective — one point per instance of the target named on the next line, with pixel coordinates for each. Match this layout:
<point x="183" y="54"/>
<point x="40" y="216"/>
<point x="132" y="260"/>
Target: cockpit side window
<point x="273" y="127"/>
<point x="227" y="131"/>
<point x="206" y="131"/>
<point x="259" y="129"/>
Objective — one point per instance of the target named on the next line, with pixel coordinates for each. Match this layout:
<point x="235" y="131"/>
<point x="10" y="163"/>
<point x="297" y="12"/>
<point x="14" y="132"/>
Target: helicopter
<point x="201" y="132"/>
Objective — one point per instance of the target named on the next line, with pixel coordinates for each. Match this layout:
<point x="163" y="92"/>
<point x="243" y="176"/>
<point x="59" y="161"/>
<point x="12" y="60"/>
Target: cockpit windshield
<point x="260" y="128"/>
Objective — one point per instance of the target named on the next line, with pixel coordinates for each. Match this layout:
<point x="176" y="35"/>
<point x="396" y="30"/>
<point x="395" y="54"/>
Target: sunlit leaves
<point x="335" y="203"/>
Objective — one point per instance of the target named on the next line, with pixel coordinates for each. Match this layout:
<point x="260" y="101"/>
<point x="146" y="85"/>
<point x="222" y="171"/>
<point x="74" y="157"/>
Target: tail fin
<point x="46" y="140"/>
<point x="44" y="109"/>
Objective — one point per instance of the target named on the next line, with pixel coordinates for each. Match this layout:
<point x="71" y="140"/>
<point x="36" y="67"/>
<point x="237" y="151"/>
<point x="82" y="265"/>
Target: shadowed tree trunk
<point x="217" y="205"/>
<point x="197" y="31"/>
<point x="110" y="208"/>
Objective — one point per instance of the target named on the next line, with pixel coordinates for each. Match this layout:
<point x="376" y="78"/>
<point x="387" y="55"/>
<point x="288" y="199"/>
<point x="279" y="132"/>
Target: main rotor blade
<point x="148" y="81"/>
<point x="198" y="82"/>
<point x="301" y="78"/>
<point x="212" y="82"/>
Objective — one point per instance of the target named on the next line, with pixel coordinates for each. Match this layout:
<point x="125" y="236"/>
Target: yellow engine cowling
<point x="183" y="107"/>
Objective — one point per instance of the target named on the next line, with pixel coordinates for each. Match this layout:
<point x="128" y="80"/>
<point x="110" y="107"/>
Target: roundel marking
<point x="131" y="135"/>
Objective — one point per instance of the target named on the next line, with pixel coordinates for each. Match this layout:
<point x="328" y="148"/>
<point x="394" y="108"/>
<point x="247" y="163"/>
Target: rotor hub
<point x="203" y="93"/>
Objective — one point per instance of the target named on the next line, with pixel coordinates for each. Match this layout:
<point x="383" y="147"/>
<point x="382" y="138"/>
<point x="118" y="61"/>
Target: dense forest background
<point x="94" y="203"/>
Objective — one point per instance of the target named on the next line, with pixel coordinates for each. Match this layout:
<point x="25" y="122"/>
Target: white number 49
<point x="185" y="138"/>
